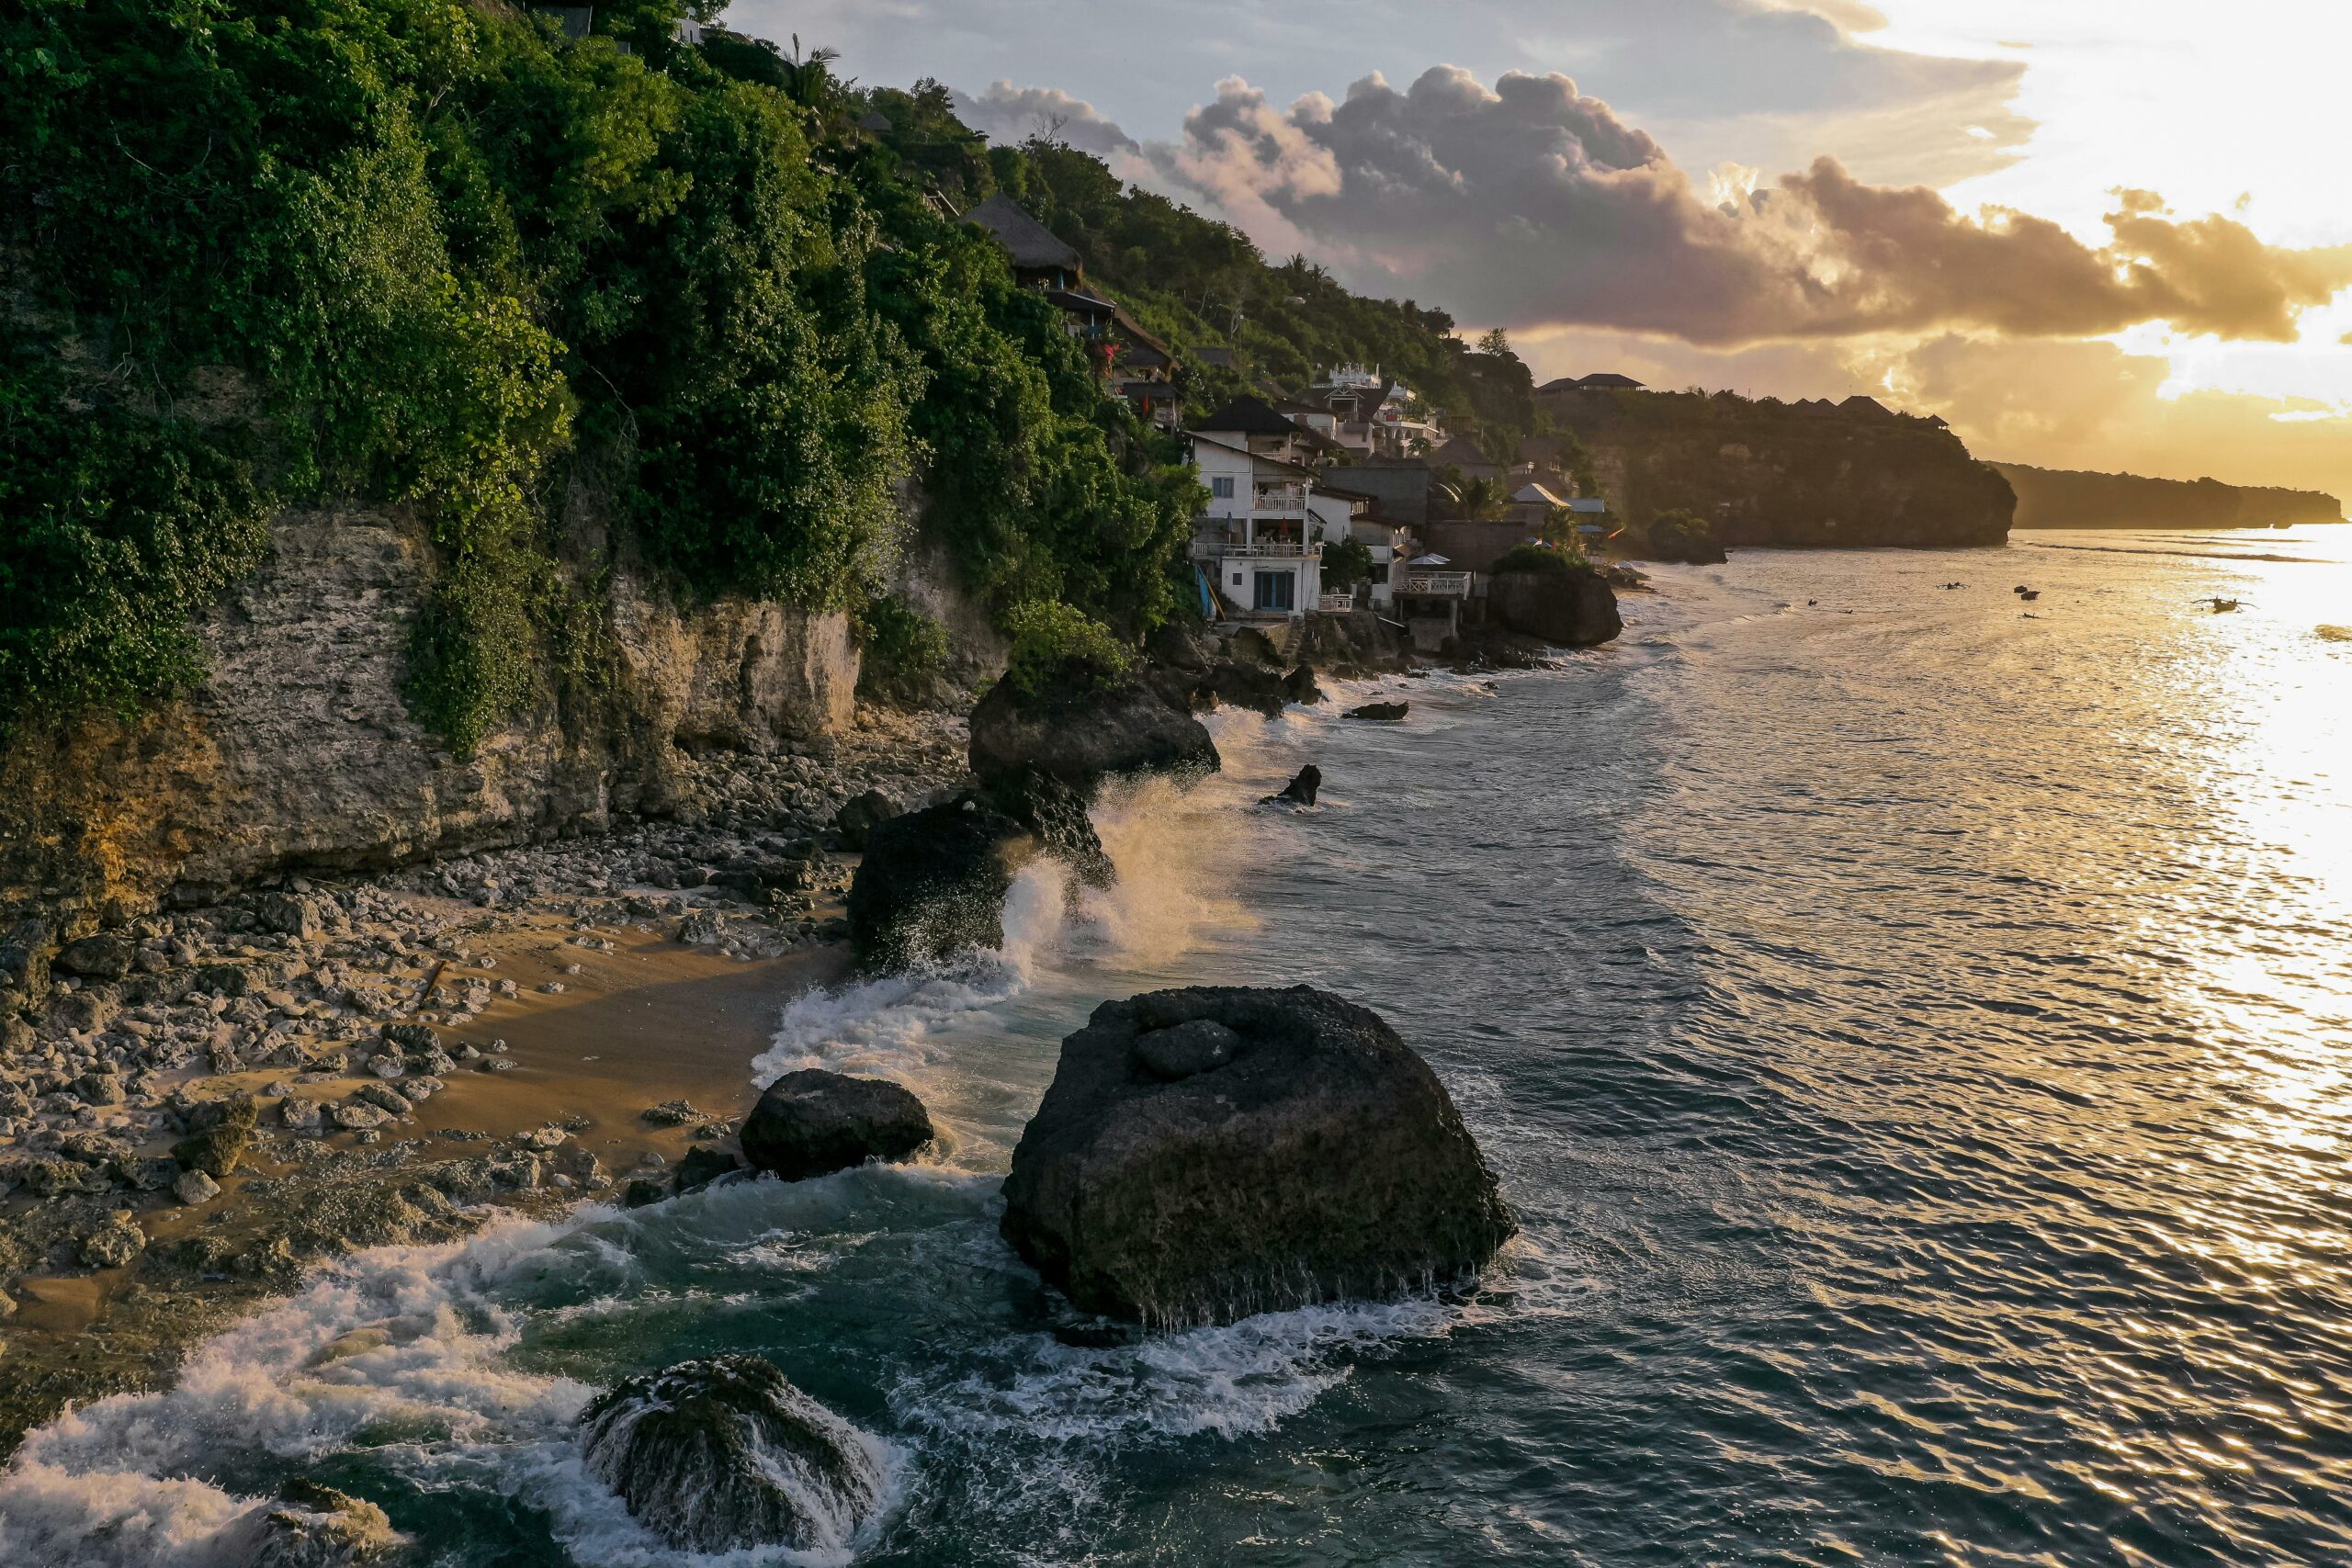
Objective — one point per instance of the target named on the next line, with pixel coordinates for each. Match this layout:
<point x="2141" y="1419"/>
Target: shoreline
<point x="567" y="993"/>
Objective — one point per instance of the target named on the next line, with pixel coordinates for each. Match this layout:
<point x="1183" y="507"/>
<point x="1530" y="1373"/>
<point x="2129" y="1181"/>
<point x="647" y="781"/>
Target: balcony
<point x="1335" y="603"/>
<point x="1435" y="585"/>
<point x="1287" y="497"/>
<point x="1216" y="549"/>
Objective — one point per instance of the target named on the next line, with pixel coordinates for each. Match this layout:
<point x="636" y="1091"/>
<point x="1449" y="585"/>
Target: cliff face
<point x="298" y="752"/>
<point x="2069" y="498"/>
<point x="1767" y="474"/>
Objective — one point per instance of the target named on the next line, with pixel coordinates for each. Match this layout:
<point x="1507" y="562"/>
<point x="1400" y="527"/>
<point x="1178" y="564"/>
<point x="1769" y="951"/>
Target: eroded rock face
<point x="1576" y="608"/>
<point x="813" y="1123"/>
<point x="1084" y="738"/>
<point x="723" y="1454"/>
<point x="1209" y="1152"/>
<point x="299" y="751"/>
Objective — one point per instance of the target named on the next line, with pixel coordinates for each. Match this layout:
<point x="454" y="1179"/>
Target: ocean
<point x="1911" y="1023"/>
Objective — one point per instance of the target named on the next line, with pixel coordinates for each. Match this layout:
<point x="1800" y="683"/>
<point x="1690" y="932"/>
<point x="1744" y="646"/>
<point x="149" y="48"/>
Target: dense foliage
<point x="462" y="261"/>
<point x="1058" y="649"/>
<point x="1541" y="558"/>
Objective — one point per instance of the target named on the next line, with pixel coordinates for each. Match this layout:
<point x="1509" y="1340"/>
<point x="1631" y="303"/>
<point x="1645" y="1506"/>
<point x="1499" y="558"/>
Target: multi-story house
<point x="1258" y="543"/>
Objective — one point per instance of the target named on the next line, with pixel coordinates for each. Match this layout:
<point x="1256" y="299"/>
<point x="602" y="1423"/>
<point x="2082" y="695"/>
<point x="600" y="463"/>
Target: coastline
<point x="566" y="995"/>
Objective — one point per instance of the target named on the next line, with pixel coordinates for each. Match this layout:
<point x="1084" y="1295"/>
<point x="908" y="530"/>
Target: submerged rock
<point x="812" y="1122"/>
<point x="317" y="1527"/>
<point x="1319" y="1158"/>
<point x="1300" y="791"/>
<point x="723" y="1454"/>
<point x="704" y="1166"/>
<point x="1380" y="713"/>
<point x="219" y="1131"/>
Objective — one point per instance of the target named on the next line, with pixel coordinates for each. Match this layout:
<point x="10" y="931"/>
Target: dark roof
<point x="1250" y="416"/>
<point x="1209" y="354"/>
<point x="1564" y="384"/>
<point x="1869" y="407"/>
<point x="1461" y="451"/>
<point x="1609" y="381"/>
<point x="1029" y="243"/>
<point x="872" y="119"/>
<point x="1079" y="304"/>
<point x="1134" y="332"/>
<point x="1260" y="458"/>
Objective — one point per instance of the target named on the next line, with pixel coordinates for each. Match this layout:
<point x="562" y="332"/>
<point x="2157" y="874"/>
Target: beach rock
<point x="704" y="1166"/>
<point x="1380" y="713"/>
<point x="116" y="1243"/>
<point x="1299" y="686"/>
<point x="353" y="1116"/>
<point x="1242" y="686"/>
<point x="1300" y="791"/>
<point x="314" y="1527"/>
<point x="1081" y="737"/>
<point x="671" y="1113"/>
<point x="1321" y="1160"/>
<point x="219" y="1131"/>
<point x="811" y="1122"/>
<point x="24" y="964"/>
<point x="639" y="1193"/>
<point x="859" y="815"/>
<point x="932" y="882"/>
<point x="100" y="1088"/>
<point x="101" y="957"/>
<point x="194" y="1187"/>
<point x="1568" y="606"/>
<point x="300" y="1114"/>
<point x="725" y="1454"/>
<point x="287" y="913"/>
<point x="383" y="1097"/>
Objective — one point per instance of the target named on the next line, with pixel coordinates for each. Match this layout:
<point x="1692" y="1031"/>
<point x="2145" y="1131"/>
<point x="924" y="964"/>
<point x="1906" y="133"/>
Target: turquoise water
<point x="1913" y="1036"/>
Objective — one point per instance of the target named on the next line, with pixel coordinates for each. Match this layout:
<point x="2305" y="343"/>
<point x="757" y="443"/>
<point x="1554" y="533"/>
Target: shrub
<point x="1059" y="647"/>
<point x="900" y="645"/>
<point x="1541" y="558"/>
<point x="1346" y="562"/>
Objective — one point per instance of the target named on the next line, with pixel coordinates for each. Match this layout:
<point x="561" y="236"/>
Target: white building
<point x="1257" y="543"/>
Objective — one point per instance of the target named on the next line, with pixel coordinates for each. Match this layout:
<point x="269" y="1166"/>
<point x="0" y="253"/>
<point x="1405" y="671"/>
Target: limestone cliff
<point x="1770" y="473"/>
<point x="298" y="752"/>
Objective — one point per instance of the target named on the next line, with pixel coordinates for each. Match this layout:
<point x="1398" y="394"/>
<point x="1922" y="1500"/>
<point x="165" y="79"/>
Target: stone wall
<point x="297" y="753"/>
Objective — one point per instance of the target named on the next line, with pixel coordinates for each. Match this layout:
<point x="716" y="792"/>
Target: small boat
<point x="2029" y="594"/>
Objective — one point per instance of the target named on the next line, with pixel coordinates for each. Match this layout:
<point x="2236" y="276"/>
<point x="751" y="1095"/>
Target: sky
<point x="2091" y="233"/>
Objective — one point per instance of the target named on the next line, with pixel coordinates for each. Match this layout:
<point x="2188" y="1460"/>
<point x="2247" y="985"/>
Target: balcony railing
<point x="1215" y="549"/>
<point x="1278" y="498"/>
<point x="1436" y="585"/>
<point x="1335" y="603"/>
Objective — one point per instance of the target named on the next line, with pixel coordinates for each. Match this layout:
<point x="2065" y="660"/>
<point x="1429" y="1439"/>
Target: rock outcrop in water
<point x="813" y="1123"/>
<point x="725" y="1454"/>
<point x="1209" y="1152"/>
<point x="1082" y="737"/>
<point x="933" y="882"/>
<point x="1567" y="607"/>
<point x="316" y="1527"/>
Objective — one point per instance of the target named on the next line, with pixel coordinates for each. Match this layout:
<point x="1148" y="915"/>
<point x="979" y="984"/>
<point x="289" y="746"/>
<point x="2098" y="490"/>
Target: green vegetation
<point x="464" y="261"/>
<point x="1541" y="558"/>
<point x="1058" y="649"/>
<point x="1346" y="562"/>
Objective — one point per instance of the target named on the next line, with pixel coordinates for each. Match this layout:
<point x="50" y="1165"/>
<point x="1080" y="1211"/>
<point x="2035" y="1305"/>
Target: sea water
<point x="1911" y="1023"/>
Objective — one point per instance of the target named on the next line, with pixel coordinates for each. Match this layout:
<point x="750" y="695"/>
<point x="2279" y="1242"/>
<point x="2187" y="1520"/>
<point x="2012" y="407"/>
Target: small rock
<point x="671" y="1113"/>
<point x="702" y="1166"/>
<point x="641" y="1193"/>
<point x="383" y="1097"/>
<point x="353" y="1116"/>
<point x="194" y="1187"/>
<point x="1301" y="790"/>
<point x="811" y="1122"/>
<point x="116" y="1242"/>
<point x="101" y="957"/>
<point x="387" y="1066"/>
<point x="541" y="1138"/>
<point x="1380" y="713"/>
<point x="300" y="1114"/>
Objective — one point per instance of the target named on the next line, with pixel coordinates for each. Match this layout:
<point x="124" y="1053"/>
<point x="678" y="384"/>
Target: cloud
<point x="1009" y="114"/>
<point x="1532" y="203"/>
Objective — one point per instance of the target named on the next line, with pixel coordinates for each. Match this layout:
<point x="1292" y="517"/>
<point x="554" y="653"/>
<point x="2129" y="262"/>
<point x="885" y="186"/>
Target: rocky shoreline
<point x="198" y="1104"/>
<point x="215" y="1099"/>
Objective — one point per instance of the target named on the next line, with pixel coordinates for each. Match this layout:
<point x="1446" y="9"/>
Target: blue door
<point x="1275" y="590"/>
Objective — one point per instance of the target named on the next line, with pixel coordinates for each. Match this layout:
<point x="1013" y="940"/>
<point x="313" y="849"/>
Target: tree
<point x="1496" y="341"/>
<point x="1346" y="562"/>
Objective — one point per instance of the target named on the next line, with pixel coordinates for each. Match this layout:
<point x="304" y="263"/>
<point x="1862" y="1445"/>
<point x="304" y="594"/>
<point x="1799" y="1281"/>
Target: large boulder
<point x="1567" y="607"/>
<point x="1055" y="814"/>
<point x="1296" y="1152"/>
<point x="725" y="1455"/>
<point x="813" y="1123"/>
<point x="1082" y="737"/>
<point x="932" y="882"/>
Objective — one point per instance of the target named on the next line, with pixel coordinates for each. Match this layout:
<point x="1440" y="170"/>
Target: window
<point x="1221" y="487"/>
<point x="1276" y="591"/>
<point x="1237" y="580"/>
